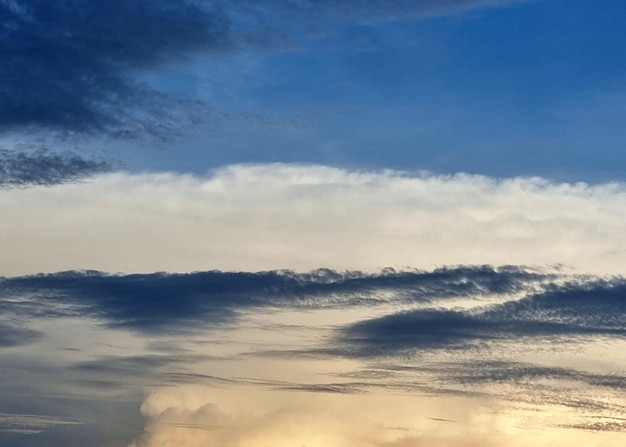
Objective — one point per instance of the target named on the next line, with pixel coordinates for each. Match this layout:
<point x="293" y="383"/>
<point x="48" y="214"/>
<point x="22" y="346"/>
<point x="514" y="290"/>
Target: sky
<point x="268" y="223"/>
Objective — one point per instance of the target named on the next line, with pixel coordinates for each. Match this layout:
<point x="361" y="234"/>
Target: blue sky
<point x="267" y="223"/>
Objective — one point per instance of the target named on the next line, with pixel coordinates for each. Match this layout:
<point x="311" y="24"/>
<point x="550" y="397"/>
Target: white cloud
<point x="259" y="217"/>
<point x="387" y="420"/>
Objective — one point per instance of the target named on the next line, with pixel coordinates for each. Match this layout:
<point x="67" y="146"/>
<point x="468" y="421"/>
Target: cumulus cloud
<point x="266" y="217"/>
<point x="197" y="416"/>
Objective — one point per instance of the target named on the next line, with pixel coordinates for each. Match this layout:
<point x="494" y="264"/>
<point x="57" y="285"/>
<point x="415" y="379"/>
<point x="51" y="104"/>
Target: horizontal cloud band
<point x="266" y="217"/>
<point x="152" y="302"/>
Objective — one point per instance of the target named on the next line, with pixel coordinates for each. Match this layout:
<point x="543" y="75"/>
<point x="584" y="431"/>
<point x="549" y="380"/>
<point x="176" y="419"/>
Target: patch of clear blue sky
<point x="535" y="88"/>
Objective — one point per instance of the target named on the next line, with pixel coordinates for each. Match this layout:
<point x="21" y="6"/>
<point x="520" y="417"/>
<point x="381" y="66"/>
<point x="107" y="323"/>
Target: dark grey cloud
<point x="42" y="167"/>
<point x="153" y="302"/>
<point x="333" y="388"/>
<point x="76" y="66"/>
<point x="179" y="303"/>
<point x="518" y="373"/>
<point x="12" y="335"/>
<point x="72" y="65"/>
<point x="588" y="306"/>
<point x="614" y="425"/>
<point x="562" y="313"/>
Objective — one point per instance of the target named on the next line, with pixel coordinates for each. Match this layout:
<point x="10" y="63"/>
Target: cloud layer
<point x="158" y="302"/>
<point x="265" y="217"/>
<point x="246" y="358"/>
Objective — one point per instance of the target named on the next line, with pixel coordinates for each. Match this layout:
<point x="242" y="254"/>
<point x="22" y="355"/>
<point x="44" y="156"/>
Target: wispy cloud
<point x="42" y="167"/>
<point x="526" y="306"/>
<point x="13" y="334"/>
<point x="574" y="310"/>
<point x="71" y="66"/>
<point x="179" y="302"/>
<point x="30" y="423"/>
<point x="76" y="66"/>
<point x="202" y="342"/>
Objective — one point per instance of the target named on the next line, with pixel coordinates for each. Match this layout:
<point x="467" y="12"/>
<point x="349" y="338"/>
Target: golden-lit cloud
<point x="466" y="356"/>
<point x="193" y="416"/>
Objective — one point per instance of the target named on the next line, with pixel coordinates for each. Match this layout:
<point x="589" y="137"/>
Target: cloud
<point x="526" y="306"/>
<point x="209" y="425"/>
<point x="12" y="335"/>
<point x="565" y="313"/>
<point x="41" y="167"/>
<point x="514" y="383"/>
<point x="114" y="367"/>
<point x="182" y="302"/>
<point x="79" y="66"/>
<point x="390" y="377"/>
<point x="30" y="424"/>
<point x="497" y="371"/>
<point x="274" y="216"/>
<point x="200" y="416"/>
<point x="73" y="65"/>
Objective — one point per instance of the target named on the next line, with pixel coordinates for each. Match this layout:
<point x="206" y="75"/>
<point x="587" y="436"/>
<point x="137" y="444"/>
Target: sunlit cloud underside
<point x="452" y="356"/>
